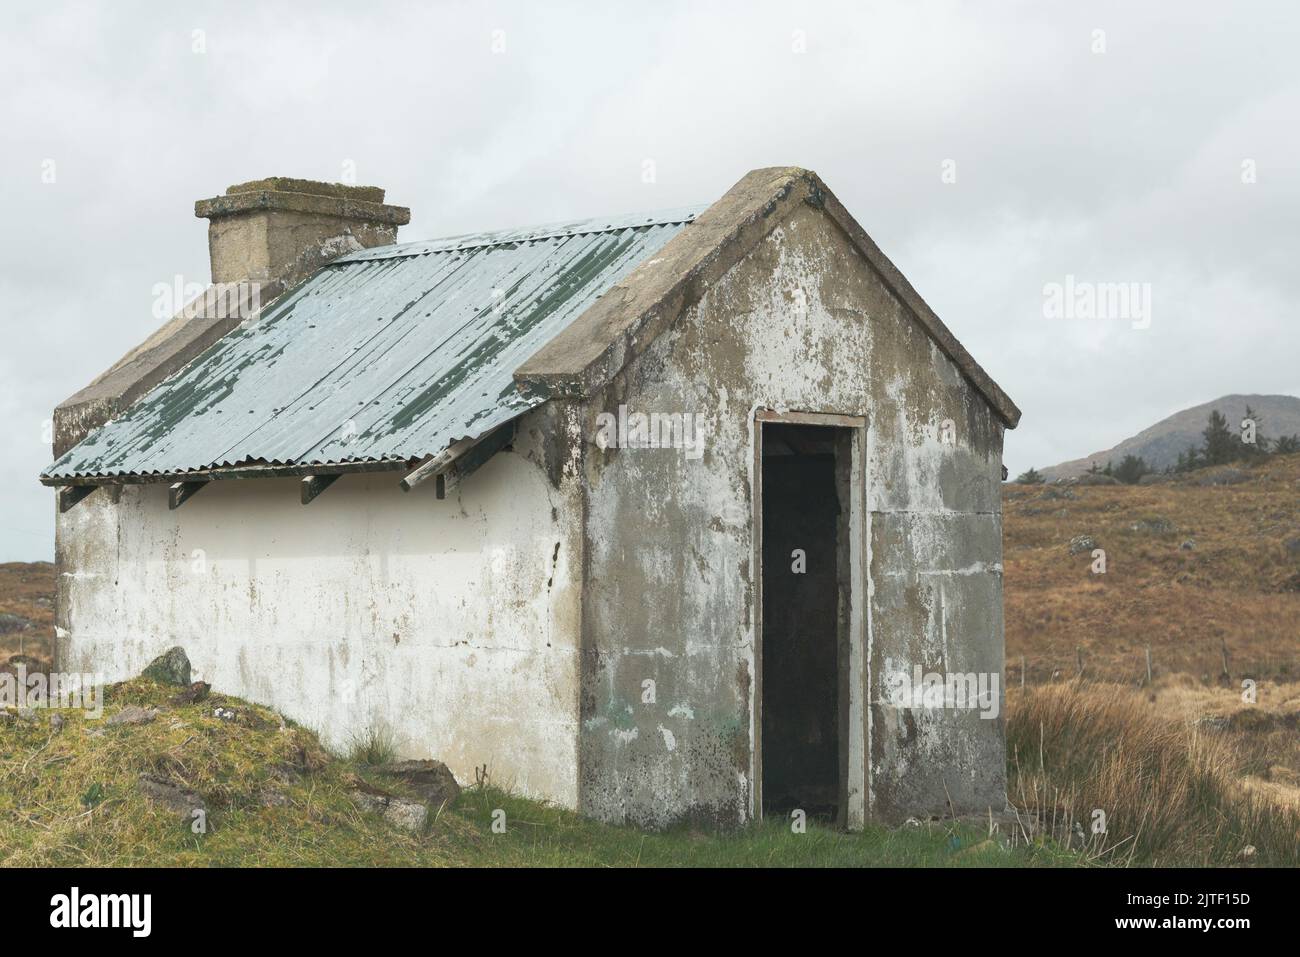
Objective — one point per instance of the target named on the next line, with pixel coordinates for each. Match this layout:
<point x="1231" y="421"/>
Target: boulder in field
<point x="1082" y="543"/>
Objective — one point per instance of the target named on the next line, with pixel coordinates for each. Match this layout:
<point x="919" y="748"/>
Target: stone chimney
<point x="272" y="233"/>
<point x="278" y="231"/>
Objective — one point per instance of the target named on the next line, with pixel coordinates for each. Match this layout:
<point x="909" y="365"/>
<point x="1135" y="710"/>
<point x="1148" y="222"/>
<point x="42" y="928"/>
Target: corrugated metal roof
<point x="388" y="354"/>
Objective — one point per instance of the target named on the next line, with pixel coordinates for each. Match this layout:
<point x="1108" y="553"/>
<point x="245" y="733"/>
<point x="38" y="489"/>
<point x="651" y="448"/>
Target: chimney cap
<point x="363" y="203"/>
<point x="287" y="184"/>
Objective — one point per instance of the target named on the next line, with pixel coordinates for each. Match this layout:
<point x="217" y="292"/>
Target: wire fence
<point x="1207" y="663"/>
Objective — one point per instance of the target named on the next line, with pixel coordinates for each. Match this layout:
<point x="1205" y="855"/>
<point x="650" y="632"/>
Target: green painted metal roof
<point x="389" y="354"/>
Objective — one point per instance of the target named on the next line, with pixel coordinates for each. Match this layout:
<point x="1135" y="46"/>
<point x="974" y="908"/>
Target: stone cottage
<point x="682" y="516"/>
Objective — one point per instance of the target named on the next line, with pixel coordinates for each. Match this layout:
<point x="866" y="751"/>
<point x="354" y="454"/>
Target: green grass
<point x="547" y="836"/>
<point x="72" y="799"/>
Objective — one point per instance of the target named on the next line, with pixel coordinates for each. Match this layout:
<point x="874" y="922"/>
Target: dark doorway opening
<point x="804" y="554"/>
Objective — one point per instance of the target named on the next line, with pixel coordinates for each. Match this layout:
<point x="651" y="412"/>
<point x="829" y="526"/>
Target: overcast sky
<point x="990" y="149"/>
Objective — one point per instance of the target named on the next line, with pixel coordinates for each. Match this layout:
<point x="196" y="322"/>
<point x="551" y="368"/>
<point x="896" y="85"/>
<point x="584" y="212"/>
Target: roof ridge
<point x="507" y="237"/>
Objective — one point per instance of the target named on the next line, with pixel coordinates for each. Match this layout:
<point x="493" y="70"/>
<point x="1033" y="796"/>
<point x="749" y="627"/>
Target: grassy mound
<point x="274" y="796"/>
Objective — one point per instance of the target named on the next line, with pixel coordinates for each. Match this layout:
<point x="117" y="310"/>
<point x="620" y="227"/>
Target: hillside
<point x="1192" y="568"/>
<point x="26" y="610"/>
<point x="1160" y="444"/>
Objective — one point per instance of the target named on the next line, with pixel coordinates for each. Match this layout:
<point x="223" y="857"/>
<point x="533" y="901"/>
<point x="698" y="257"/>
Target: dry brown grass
<point x="1265" y="733"/>
<point x="1172" y="791"/>
<point x="1185" y="770"/>
<point x="1237" y="586"/>
<point x="27" y="590"/>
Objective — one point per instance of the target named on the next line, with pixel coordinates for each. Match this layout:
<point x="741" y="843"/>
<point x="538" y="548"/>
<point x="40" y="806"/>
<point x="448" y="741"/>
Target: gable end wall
<point x="802" y="322"/>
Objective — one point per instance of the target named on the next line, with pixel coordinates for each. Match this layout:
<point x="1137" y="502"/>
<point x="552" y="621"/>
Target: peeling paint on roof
<point x="388" y="354"/>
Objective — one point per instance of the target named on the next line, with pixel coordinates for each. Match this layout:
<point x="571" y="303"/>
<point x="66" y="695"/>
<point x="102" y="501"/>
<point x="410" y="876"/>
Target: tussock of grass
<point x="274" y="797"/>
<point x="1171" y="793"/>
<point x="374" y="747"/>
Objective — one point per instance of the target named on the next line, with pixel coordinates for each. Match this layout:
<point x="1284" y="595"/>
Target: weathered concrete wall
<point x="800" y="323"/>
<point x="452" y="623"/>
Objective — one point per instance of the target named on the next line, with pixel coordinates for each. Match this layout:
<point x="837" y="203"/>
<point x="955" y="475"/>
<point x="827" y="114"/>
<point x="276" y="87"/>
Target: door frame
<point x="853" y="664"/>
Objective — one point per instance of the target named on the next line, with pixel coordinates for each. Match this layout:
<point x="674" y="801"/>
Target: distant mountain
<point x="1161" y="443"/>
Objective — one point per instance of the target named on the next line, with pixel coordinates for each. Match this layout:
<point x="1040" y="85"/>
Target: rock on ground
<point x="408" y="815"/>
<point x="431" y="780"/>
<point x="1082" y="543"/>
<point x="172" y="667"/>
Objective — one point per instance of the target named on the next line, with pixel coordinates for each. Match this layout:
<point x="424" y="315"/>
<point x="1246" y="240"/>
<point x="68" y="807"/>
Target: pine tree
<point x="1131" y="469"/>
<point x="1286" y="445"/>
<point x="1259" y="447"/>
<point x="1220" y="444"/>
<point x="1032" y="477"/>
